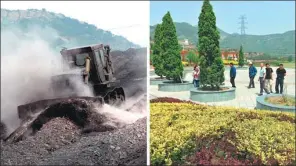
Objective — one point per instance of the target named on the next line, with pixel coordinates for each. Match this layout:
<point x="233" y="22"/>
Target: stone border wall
<point x="169" y="86"/>
<point x="156" y="81"/>
<point x="212" y="96"/>
<point x="262" y="104"/>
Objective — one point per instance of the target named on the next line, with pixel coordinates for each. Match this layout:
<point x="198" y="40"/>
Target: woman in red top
<point x="195" y="75"/>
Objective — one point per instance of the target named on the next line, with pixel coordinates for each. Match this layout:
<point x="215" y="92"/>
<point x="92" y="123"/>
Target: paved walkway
<point x="244" y="97"/>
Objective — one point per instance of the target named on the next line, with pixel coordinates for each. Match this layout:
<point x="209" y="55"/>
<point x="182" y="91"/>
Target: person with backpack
<point x="252" y="74"/>
<point x="196" y="72"/>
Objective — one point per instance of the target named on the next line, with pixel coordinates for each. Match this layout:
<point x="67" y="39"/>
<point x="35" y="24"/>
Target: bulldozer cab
<point x="94" y="61"/>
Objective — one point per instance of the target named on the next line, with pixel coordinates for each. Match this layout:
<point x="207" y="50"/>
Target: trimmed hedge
<point x="186" y="133"/>
<point x="227" y="62"/>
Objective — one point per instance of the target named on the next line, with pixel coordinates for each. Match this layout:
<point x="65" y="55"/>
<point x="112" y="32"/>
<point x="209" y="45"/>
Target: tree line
<point x="166" y="57"/>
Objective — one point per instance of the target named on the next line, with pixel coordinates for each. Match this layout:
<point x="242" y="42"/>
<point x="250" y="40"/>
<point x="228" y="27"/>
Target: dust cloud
<point x="132" y="110"/>
<point x="27" y="64"/>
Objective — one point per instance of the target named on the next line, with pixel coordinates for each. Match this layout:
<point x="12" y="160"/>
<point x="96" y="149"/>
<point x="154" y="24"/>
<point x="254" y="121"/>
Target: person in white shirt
<point x="262" y="74"/>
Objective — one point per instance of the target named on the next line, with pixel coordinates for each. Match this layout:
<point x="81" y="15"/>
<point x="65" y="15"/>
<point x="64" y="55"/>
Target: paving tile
<point x="245" y="97"/>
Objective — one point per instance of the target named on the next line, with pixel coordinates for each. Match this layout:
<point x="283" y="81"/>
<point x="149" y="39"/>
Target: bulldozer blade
<point x="34" y="113"/>
<point x="27" y="111"/>
<point x="19" y="132"/>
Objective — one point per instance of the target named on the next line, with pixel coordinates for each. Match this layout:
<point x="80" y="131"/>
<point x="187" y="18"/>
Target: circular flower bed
<point x="171" y="86"/>
<point x="156" y="81"/>
<point x="276" y="102"/>
<point x="224" y="94"/>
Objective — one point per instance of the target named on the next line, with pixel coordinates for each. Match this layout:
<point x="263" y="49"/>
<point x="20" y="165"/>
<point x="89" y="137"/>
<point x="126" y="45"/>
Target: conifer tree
<point x="241" y="57"/>
<point x="170" y="49"/>
<point x="157" y="59"/>
<point x="211" y="64"/>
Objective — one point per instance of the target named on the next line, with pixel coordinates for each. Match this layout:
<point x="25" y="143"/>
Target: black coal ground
<point x="60" y="141"/>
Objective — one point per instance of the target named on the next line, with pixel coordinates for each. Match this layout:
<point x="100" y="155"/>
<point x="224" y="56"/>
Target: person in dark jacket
<point x="281" y="73"/>
<point x="268" y="78"/>
<point x="252" y="74"/>
<point x="232" y="75"/>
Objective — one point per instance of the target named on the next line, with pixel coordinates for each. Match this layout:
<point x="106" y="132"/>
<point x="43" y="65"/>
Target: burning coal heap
<point x="66" y="124"/>
<point x="84" y="132"/>
<point x="79" y="111"/>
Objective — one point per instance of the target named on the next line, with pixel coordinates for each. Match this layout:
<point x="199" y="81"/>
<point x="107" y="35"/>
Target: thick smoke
<point x="131" y="70"/>
<point x="131" y="111"/>
<point x="27" y="65"/>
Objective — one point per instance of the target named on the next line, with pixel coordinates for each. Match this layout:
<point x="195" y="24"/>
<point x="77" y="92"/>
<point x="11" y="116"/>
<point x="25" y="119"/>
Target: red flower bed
<point x="169" y="100"/>
<point x="220" y="152"/>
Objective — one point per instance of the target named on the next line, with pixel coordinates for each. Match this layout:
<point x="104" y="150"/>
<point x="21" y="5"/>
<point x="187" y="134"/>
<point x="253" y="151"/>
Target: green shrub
<point x="175" y="127"/>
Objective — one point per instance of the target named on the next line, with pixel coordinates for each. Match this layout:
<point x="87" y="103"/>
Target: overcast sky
<point x="128" y="18"/>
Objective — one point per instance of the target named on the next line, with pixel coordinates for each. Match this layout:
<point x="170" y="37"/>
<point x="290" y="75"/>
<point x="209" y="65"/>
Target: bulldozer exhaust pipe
<point x="87" y="65"/>
<point x="87" y="69"/>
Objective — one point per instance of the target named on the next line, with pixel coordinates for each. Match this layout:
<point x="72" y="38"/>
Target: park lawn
<point x="290" y="65"/>
<point x="188" y="133"/>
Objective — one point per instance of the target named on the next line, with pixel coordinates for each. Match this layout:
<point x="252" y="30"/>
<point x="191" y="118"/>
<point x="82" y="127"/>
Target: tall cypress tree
<point x="170" y="49"/>
<point x="211" y="64"/>
<point x="157" y="59"/>
<point x="241" y="57"/>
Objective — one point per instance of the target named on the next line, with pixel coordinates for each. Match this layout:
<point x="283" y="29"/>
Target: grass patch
<point x="186" y="133"/>
<point x="281" y="100"/>
<point x="289" y="65"/>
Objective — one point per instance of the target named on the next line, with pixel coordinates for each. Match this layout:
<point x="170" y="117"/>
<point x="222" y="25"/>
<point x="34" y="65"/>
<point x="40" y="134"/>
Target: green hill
<point x="59" y="30"/>
<point x="186" y="31"/>
<point x="277" y="44"/>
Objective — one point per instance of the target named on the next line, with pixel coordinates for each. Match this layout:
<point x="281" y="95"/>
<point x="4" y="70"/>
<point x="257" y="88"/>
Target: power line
<point x="243" y="25"/>
<point x="242" y="28"/>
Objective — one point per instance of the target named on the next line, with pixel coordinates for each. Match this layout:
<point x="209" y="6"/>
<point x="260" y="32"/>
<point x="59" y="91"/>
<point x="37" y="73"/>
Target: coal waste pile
<point x="84" y="132"/>
<point x="130" y="67"/>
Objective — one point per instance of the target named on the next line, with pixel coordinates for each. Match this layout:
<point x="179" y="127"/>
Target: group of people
<point x="265" y="77"/>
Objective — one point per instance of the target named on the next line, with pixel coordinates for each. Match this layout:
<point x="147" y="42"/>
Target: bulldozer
<point x="90" y="65"/>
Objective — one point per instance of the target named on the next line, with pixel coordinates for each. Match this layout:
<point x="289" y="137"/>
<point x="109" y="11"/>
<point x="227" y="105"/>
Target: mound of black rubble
<point x="2" y="130"/>
<point x="130" y="67"/>
<point x="130" y="64"/>
<point x="73" y="132"/>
